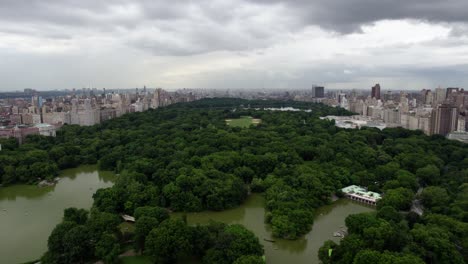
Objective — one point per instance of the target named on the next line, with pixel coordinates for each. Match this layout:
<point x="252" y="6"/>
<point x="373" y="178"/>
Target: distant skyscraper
<point x="440" y="95"/>
<point x="388" y="96"/>
<point x="39" y="101"/>
<point x="457" y="97"/>
<point x="376" y="92"/>
<point x="451" y="90"/>
<point x="318" y="91"/>
<point x="427" y="97"/>
<point x="34" y="101"/>
<point x="444" y="119"/>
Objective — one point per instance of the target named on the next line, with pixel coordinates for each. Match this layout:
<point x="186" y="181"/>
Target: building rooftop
<point x="360" y="191"/>
<point x="460" y="136"/>
<point x="42" y="125"/>
<point x="355" y="122"/>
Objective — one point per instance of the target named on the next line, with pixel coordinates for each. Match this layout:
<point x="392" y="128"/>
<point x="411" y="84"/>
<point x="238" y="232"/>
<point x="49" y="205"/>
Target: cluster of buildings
<point x="441" y="112"/>
<point x="35" y="114"/>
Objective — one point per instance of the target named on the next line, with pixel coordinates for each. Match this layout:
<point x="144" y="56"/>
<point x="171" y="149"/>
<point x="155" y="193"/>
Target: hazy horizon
<point x="219" y="89"/>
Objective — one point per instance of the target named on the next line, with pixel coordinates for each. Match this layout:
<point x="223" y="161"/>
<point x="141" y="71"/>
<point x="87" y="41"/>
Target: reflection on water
<point x="293" y="247"/>
<point x="251" y="214"/>
<point x="32" y="212"/>
<point x="29" y="213"/>
<point x="23" y="191"/>
<point x="106" y="177"/>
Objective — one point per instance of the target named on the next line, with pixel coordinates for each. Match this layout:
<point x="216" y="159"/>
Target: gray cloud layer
<point x="346" y="16"/>
<point x="186" y="27"/>
<point x="184" y="37"/>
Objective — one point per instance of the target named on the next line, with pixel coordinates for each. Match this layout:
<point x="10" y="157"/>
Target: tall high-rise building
<point x="388" y="96"/>
<point x="391" y="116"/>
<point x="318" y="91"/>
<point x="40" y="102"/>
<point x="440" y="95"/>
<point x="427" y="97"/>
<point x="444" y="119"/>
<point x="376" y="92"/>
<point x="457" y="98"/>
<point x="34" y="101"/>
<point x="451" y="90"/>
<point x="461" y="127"/>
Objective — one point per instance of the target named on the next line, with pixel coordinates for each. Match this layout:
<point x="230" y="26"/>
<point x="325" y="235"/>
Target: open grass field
<point x="244" y="121"/>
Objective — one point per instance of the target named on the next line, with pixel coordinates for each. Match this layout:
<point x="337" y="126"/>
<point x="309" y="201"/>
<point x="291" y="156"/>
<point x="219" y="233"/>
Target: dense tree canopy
<point x="186" y="158"/>
<point x="169" y="242"/>
<point x="232" y="244"/>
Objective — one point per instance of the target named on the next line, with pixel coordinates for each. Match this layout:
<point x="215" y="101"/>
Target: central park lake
<point x="29" y="213"/>
<point x="251" y="214"/>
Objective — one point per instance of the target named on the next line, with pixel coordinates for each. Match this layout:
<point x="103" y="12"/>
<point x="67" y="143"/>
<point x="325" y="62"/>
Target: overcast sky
<point x="402" y="44"/>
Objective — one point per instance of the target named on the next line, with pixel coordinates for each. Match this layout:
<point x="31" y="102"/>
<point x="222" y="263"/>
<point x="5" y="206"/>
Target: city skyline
<point x="240" y="89"/>
<point x="50" y="45"/>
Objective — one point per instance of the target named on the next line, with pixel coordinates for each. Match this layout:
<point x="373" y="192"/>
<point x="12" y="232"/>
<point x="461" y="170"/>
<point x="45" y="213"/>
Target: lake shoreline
<point x="327" y="220"/>
<point x="251" y="213"/>
<point x="29" y="213"/>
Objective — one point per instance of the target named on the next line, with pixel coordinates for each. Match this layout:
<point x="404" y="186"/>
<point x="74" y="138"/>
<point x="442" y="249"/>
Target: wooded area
<point x="186" y="158"/>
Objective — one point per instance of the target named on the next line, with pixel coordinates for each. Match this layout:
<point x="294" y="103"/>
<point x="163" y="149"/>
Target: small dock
<point x="341" y="233"/>
<point x="128" y="218"/>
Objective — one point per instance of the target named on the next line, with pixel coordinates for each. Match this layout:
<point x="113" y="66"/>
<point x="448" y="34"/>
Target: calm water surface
<point x="252" y="215"/>
<point x="32" y="212"/>
<point x="29" y="213"/>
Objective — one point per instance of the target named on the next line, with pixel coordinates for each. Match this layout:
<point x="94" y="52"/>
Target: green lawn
<point x="244" y="121"/>
<point x="136" y="260"/>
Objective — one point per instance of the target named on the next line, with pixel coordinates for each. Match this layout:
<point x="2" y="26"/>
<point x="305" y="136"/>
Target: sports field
<point x="243" y="121"/>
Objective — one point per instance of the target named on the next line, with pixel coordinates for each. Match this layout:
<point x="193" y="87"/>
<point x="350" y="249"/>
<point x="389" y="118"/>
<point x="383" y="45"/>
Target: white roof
<point x="360" y="191"/>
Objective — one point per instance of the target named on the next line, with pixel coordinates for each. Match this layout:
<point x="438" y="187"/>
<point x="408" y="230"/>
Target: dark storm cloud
<point x="349" y="15"/>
